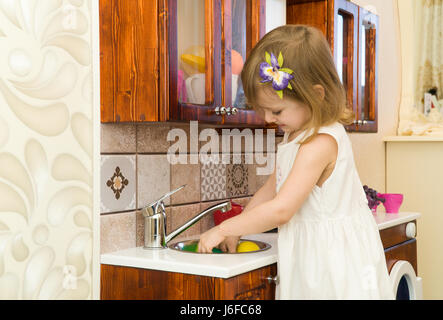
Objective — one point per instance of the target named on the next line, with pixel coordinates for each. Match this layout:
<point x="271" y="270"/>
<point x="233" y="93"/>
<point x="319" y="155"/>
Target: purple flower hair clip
<point x="272" y="70"/>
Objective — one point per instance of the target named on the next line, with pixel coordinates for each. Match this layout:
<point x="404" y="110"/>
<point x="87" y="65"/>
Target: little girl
<point x="329" y="245"/>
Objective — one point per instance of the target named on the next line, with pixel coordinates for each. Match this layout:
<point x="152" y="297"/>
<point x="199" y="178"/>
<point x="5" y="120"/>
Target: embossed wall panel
<point x="48" y="149"/>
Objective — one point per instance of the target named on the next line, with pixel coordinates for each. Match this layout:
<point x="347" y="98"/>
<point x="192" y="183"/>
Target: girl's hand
<point x="210" y="239"/>
<point x="230" y="244"/>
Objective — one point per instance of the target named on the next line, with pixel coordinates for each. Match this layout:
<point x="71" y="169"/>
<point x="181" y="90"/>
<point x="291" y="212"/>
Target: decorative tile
<point x="153" y="179"/>
<point x="118" y="184"/>
<point x="189" y="175"/>
<point x="213" y="180"/>
<point x="117" y="138"/>
<point x="117" y="231"/>
<point x="237" y="177"/>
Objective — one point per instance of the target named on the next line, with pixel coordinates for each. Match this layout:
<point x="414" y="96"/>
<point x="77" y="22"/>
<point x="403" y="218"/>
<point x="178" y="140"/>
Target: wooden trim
<point x="371" y="125"/>
<point x="174" y="112"/>
<point x="350" y="11"/>
<point x="209" y="51"/>
<point x="163" y="99"/>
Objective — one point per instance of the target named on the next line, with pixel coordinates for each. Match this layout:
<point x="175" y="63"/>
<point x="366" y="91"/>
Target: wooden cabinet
<point x="129" y="60"/>
<point x="352" y="34"/>
<point x="209" y="40"/>
<point x="177" y="60"/>
<point x="123" y="283"/>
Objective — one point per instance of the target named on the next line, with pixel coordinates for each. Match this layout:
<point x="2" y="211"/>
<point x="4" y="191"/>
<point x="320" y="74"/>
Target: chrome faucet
<point x="155" y="221"/>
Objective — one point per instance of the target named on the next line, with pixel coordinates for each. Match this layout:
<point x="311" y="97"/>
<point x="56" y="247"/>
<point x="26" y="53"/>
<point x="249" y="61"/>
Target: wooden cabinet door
<point x="129" y="60"/>
<point x="405" y="251"/>
<point x="251" y="285"/>
<point x="123" y="283"/>
<point x="200" y="57"/>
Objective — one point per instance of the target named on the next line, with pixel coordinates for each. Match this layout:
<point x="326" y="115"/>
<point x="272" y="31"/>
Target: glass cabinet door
<point x="346" y="49"/>
<point x="208" y="42"/>
<point x="194" y="62"/>
<point x="193" y="83"/>
<point x="243" y="26"/>
<point x="367" y="72"/>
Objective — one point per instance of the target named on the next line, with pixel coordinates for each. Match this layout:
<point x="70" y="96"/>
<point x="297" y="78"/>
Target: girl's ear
<point x="320" y="91"/>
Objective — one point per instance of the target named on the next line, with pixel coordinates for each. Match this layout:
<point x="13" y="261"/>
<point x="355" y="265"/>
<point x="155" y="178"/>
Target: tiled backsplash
<point x="135" y="171"/>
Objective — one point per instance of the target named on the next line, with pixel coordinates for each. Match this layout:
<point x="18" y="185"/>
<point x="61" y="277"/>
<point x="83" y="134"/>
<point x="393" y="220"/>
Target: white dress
<point x="331" y="247"/>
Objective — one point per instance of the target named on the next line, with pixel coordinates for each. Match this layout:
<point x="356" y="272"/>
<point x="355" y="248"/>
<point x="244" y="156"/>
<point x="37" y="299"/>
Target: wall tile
<point x="153" y="178"/>
<point x="117" y="231"/>
<point x="117" y="183"/>
<point x="188" y="174"/>
<point x="179" y="215"/>
<point x="213" y="179"/>
<point x="118" y="138"/>
<point x="237" y="177"/>
<point x="152" y="138"/>
<point x="256" y="180"/>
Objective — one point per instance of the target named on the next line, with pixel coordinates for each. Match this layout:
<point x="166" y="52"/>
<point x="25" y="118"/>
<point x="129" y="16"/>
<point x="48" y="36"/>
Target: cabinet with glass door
<point x="352" y="34"/>
<point x="209" y="40"/>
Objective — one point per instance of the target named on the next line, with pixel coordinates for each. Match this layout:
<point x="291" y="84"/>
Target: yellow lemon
<point x="247" y="246"/>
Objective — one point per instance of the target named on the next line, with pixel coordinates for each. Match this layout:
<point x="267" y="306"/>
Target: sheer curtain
<point x="421" y="31"/>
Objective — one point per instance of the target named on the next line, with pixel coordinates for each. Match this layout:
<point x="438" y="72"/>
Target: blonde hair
<point x="306" y="51"/>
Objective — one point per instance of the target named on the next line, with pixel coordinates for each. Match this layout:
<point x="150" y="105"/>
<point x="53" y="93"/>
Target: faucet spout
<point x="224" y="206"/>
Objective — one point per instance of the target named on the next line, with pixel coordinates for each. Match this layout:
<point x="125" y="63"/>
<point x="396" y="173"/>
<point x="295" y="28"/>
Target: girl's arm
<point x="311" y="161"/>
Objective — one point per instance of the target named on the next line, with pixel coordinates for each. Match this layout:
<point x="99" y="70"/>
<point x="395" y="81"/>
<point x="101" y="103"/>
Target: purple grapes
<point x="371" y="195"/>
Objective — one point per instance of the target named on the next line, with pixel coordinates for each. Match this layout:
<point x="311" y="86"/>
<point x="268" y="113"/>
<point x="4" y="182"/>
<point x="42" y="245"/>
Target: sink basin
<point x="179" y="246"/>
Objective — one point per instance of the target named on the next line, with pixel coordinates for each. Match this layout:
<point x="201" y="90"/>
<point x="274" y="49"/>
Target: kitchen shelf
<point x="413" y="139"/>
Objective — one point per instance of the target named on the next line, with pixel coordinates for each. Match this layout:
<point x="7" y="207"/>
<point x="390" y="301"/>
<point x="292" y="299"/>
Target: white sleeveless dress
<point x="331" y="247"/>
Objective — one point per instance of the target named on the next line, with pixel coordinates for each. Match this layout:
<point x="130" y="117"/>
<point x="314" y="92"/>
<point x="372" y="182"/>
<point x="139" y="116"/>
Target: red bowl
<point x="219" y="216"/>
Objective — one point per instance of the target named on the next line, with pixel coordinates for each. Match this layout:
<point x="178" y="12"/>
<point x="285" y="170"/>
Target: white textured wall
<point x="47" y="147"/>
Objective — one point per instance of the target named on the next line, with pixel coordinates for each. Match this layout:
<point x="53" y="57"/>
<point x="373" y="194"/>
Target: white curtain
<point x="421" y="31"/>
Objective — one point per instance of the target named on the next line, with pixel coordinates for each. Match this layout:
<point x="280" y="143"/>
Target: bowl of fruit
<point x="374" y="198"/>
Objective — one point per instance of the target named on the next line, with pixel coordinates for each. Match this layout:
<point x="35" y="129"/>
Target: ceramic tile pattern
<point x="213" y="180"/>
<point x="117" y="183"/>
<point x="232" y="176"/>
<point x="237" y="176"/>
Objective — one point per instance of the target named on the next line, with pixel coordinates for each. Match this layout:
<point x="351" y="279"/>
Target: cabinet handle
<point x="272" y="279"/>
<point x="220" y="110"/>
<point x="410" y="230"/>
<point x="234" y="110"/>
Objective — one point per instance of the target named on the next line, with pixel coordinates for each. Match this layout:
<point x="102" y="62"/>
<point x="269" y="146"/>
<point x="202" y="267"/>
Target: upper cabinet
<point x="177" y="60"/>
<point x="352" y="34"/>
<point x="209" y="40"/>
<point x="129" y="60"/>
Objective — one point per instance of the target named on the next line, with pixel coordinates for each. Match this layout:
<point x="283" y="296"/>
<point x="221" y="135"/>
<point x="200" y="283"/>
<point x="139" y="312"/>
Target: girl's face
<point x="290" y="115"/>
